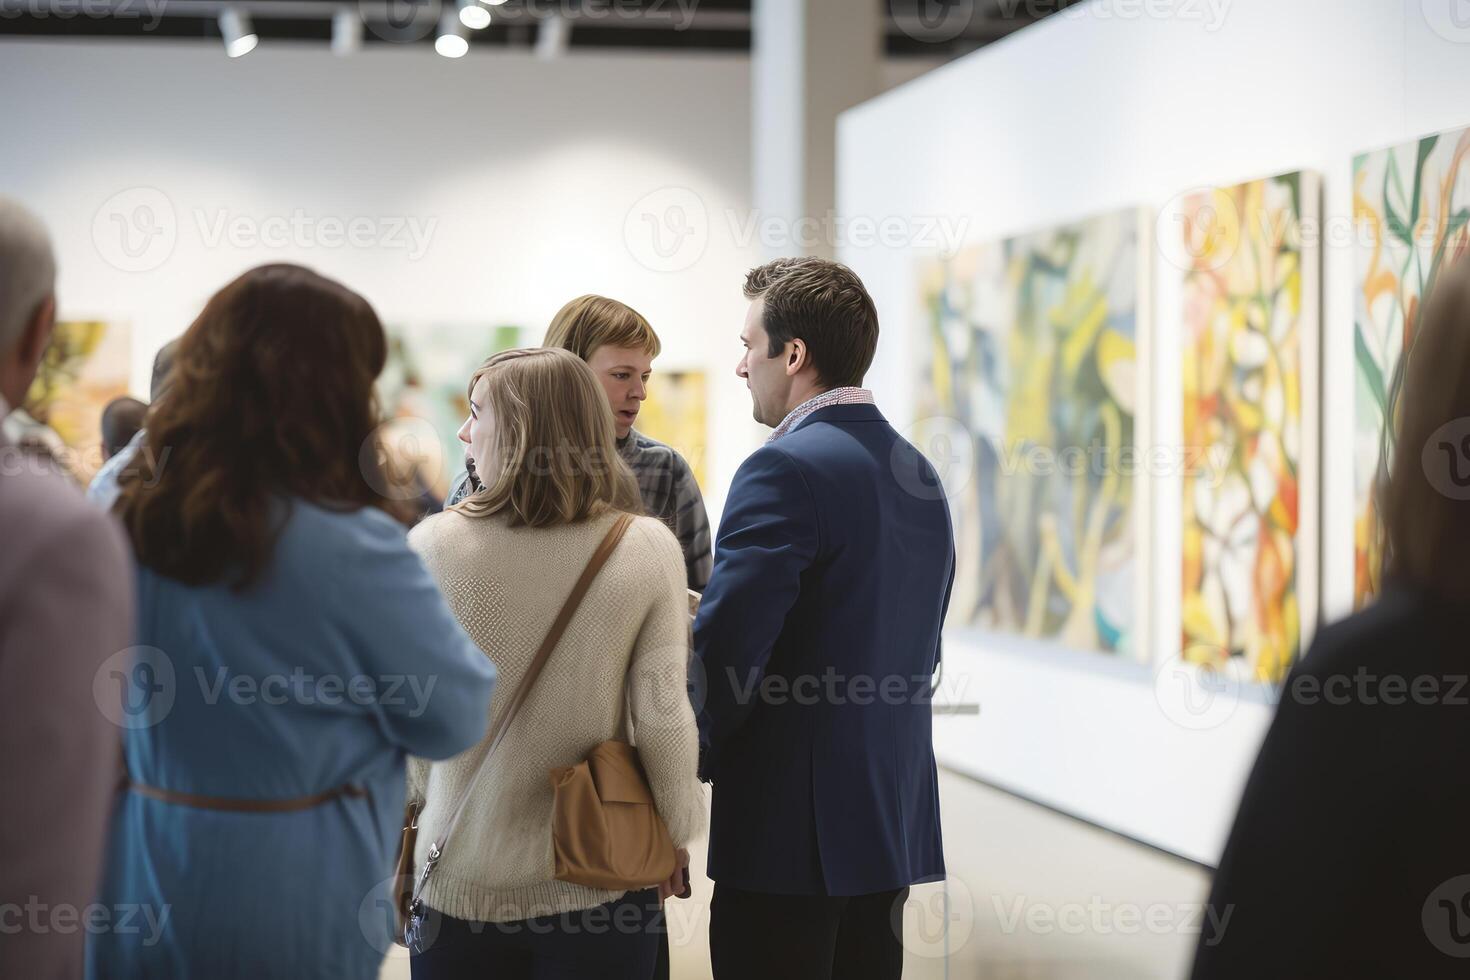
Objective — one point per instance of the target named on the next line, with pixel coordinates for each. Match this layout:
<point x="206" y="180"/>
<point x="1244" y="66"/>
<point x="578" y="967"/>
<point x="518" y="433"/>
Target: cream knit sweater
<point x="506" y="585"/>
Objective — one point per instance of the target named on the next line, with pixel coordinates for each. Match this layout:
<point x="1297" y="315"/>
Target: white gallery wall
<point x="1110" y="104"/>
<point x="486" y="190"/>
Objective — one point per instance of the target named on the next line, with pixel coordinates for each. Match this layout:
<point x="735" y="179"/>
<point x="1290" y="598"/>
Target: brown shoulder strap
<point x="559" y="625"/>
<point x="533" y="672"/>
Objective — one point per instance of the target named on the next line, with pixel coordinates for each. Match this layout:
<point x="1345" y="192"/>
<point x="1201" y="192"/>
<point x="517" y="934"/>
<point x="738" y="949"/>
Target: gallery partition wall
<point x="466" y="199"/>
<point x="1145" y="273"/>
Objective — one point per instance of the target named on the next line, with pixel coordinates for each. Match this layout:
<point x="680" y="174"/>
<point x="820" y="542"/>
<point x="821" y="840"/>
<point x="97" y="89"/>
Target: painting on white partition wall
<point x="1411" y="208"/>
<point x="424" y="390"/>
<point x="1032" y="351"/>
<point x="676" y="413"/>
<point x="1251" y="332"/>
<point x="85" y="366"/>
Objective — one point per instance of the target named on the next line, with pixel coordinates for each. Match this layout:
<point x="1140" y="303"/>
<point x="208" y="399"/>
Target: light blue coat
<point x="340" y="662"/>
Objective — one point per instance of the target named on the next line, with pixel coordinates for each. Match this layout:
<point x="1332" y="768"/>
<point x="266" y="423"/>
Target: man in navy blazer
<point x="816" y="644"/>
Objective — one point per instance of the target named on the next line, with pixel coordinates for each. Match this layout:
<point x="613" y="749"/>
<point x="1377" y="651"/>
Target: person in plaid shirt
<point x="620" y="346"/>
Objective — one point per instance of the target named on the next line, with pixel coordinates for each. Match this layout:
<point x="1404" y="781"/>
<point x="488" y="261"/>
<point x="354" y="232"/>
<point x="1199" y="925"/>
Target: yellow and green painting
<point x="676" y="413"/>
<point x="1031" y="353"/>
<point x="1411" y="207"/>
<point x="423" y="393"/>
<point x="86" y="365"/>
<point x="1250" y="343"/>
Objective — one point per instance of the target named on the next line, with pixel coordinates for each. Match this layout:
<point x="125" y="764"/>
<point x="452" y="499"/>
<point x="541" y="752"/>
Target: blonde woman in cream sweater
<point x="541" y="435"/>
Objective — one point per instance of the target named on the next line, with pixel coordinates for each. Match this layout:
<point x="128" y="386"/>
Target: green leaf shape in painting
<point x="1397" y="227"/>
<point x="1426" y="147"/>
<point x="1369" y="372"/>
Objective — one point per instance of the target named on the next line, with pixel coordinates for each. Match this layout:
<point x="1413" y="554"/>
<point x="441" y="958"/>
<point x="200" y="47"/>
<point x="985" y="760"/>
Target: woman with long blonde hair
<point x="552" y="486"/>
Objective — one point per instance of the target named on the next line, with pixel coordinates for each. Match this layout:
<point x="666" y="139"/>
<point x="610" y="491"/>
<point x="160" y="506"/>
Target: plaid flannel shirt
<point x="669" y="493"/>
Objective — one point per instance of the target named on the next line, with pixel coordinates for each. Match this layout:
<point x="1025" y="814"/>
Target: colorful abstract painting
<point x="1411" y="207"/>
<point x="1032" y="357"/>
<point x="423" y="392"/>
<point x="1250" y="349"/>
<point x="86" y="365"/>
<point x="676" y="413"/>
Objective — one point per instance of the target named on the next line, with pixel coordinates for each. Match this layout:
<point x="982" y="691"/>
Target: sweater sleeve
<point x="664" y="729"/>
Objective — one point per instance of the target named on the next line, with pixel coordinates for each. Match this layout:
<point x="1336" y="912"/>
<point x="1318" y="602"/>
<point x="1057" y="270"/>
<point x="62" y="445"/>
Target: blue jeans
<point x="616" y="941"/>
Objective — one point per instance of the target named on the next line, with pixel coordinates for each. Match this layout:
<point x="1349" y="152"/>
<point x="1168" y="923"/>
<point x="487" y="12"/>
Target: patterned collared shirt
<point x="837" y="396"/>
<point x="669" y="493"/>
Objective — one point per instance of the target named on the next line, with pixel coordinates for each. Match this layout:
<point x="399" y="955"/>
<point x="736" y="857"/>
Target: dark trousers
<point x="616" y="941"/>
<point x="661" y="968"/>
<point x="756" y="936"/>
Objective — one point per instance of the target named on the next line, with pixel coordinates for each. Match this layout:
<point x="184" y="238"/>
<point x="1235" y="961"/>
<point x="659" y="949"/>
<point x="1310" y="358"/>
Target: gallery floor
<point x="1032" y="895"/>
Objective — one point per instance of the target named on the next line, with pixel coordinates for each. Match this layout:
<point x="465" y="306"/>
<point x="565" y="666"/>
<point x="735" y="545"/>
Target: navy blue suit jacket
<point x="815" y="647"/>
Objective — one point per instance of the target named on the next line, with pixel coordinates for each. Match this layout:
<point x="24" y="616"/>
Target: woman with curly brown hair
<point x="291" y="652"/>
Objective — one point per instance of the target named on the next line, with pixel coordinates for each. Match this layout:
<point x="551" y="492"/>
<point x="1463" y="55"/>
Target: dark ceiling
<point x="914" y="28"/>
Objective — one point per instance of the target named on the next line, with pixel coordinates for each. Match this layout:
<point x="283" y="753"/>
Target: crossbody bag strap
<point x="502" y="724"/>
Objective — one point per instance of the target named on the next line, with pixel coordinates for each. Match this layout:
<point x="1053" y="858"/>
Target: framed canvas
<point x="1034" y="369"/>
<point x="423" y="393"/>
<point x="85" y="366"/>
<point x="676" y="413"/>
<point x="1251" y="382"/>
<point x="1411" y="207"/>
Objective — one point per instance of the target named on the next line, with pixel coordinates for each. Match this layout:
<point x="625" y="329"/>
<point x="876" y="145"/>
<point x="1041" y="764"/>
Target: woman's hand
<point x="678" y="884"/>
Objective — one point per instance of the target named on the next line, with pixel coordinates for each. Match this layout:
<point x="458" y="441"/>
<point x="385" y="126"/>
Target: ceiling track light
<point x="238" y="32"/>
<point x="473" y="15"/>
<point x="346" y="31"/>
<point x="451" y="42"/>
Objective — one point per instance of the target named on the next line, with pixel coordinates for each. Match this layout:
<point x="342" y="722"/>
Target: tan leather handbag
<point x="605" y="828"/>
<point x="606" y="831"/>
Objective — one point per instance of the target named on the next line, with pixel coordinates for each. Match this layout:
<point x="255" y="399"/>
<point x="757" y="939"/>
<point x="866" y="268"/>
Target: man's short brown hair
<point x="825" y="305"/>
<point x="589" y="322"/>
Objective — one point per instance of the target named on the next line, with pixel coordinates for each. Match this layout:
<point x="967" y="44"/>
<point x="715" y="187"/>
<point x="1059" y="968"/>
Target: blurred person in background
<point x="1349" y="856"/>
<point x="507" y="557"/>
<point x="121" y="421"/>
<point x="103" y="489"/>
<point x="292" y="651"/>
<point x="832" y="574"/>
<point x="620" y="346"/>
<point x="66" y="606"/>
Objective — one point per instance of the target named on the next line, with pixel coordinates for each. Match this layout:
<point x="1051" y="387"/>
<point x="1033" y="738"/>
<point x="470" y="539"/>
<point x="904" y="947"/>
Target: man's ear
<point x="37" y="334"/>
<point x="797" y="358"/>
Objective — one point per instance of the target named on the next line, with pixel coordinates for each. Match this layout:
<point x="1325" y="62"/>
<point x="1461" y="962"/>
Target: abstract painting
<point x="676" y="413"/>
<point x="1411" y="207"/>
<point x="86" y="365"/>
<point x="422" y="392"/>
<point x="1034" y="371"/>
<point x="1250" y="354"/>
